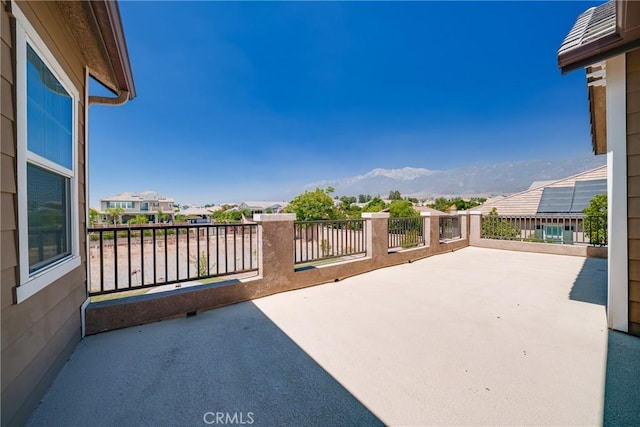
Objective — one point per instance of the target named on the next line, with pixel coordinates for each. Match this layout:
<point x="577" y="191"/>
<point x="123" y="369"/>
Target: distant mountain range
<point x="501" y="178"/>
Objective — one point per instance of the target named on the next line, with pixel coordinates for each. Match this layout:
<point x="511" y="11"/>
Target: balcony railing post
<point x="463" y="218"/>
<point x="475" y="227"/>
<point x="377" y="226"/>
<point x="276" y="247"/>
<point x="428" y="218"/>
<point x="433" y="225"/>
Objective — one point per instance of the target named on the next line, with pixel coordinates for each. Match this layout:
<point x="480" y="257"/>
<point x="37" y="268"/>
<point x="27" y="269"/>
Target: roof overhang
<point x="97" y="28"/>
<point x="597" y="91"/>
<point x="600" y="33"/>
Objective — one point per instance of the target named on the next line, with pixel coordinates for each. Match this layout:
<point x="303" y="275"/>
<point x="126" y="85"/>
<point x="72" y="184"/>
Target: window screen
<point x="49" y="114"/>
<point x="48" y="213"/>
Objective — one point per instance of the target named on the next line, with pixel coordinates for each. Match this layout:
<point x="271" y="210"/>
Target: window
<point x="123" y="205"/>
<point x="553" y="232"/>
<point x="144" y="206"/>
<point x="46" y="121"/>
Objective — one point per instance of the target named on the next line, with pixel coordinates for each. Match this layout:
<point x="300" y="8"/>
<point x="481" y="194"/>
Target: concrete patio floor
<point x="474" y="337"/>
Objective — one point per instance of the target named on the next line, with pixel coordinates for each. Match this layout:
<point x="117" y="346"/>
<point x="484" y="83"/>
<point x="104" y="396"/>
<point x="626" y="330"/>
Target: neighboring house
<point x="259" y="207"/>
<point x="432" y="211"/>
<point x="605" y="41"/>
<point x="196" y="215"/>
<point x="565" y="196"/>
<point x="49" y="51"/>
<point x="144" y="203"/>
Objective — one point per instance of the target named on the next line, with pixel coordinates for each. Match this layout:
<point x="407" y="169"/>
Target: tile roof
<point x="137" y="196"/>
<point x="592" y="25"/>
<point x="527" y="202"/>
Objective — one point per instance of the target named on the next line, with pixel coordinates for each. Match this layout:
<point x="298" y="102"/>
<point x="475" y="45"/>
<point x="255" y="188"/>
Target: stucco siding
<point x="633" y="186"/>
<point x="39" y="333"/>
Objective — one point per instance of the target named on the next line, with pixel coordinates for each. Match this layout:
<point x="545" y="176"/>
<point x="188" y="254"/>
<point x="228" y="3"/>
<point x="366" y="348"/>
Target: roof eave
<point x="591" y="54"/>
<point x="588" y="54"/>
<point x="109" y="22"/>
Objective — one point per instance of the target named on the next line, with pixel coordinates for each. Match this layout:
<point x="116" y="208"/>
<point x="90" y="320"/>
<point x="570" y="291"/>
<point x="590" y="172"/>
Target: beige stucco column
<point x="432" y="230"/>
<point x="475" y="227"/>
<point x="275" y="248"/>
<point x="464" y="224"/>
<point x="377" y="228"/>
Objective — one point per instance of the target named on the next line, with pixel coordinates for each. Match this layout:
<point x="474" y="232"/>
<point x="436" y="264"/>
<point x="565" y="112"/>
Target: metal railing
<point x="562" y="229"/>
<point x="126" y="258"/>
<point x="320" y="240"/>
<point x="449" y="227"/>
<point x="406" y="232"/>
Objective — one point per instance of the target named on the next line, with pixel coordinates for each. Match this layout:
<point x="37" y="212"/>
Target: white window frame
<point x="31" y="283"/>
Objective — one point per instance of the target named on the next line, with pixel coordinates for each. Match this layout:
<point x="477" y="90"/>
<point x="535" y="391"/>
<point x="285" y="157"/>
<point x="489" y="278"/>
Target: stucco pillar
<point x="275" y="247"/>
<point x="377" y="226"/>
<point x="464" y="224"/>
<point x="475" y="227"/>
<point x="431" y="230"/>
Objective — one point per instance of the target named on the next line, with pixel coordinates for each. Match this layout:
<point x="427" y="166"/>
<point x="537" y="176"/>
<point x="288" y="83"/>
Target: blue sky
<point x="246" y="101"/>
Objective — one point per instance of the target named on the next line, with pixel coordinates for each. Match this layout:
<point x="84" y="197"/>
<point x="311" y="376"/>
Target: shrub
<point x="493" y="227"/>
<point x="595" y="223"/>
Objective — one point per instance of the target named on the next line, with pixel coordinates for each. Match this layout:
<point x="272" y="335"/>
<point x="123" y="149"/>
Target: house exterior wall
<point x="39" y="333"/>
<point x="166" y="207"/>
<point x="633" y="186"/>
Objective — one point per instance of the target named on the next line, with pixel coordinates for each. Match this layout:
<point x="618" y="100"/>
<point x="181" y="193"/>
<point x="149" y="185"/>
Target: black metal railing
<point x="125" y="258"/>
<point x="320" y="240"/>
<point x="563" y="229"/>
<point x="449" y="227"/>
<point x="406" y="232"/>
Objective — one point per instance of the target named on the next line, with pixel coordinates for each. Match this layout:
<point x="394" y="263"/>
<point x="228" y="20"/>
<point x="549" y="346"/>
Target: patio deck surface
<point x="474" y="337"/>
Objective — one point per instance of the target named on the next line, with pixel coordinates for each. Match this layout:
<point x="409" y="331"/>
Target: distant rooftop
<point x="138" y="196"/>
<point x="262" y="204"/>
<point x="567" y="195"/>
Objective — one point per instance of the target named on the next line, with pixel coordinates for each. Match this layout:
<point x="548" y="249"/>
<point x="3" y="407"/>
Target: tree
<point x="354" y="212"/>
<point x="493" y="227"/>
<point x="402" y="209"/>
<point x="313" y="206"/>
<point x="375" y="205"/>
<point x="230" y="214"/>
<point x="595" y="223"/>
<point x="162" y="217"/>
<point x="364" y="198"/>
<point x="115" y="214"/>
<point x="347" y="201"/>
<point x="94" y="216"/>
<point x="139" y="219"/>
<point x="395" y="195"/>
<point x="443" y="204"/>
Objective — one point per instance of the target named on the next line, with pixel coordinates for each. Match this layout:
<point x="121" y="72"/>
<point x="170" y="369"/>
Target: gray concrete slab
<point x="226" y="366"/>
<point x="475" y="337"/>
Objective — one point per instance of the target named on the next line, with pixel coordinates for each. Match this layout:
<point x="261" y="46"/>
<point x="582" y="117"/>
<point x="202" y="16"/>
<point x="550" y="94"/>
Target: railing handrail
<point x="138" y="227"/>
<point x="572" y="215"/>
<point x="325" y="221"/>
<point x="212" y="250"/>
